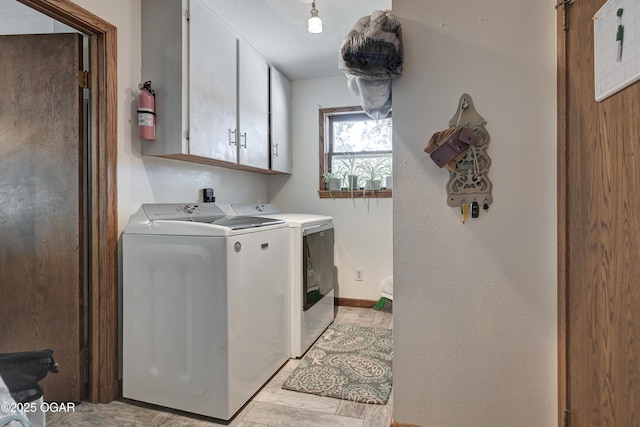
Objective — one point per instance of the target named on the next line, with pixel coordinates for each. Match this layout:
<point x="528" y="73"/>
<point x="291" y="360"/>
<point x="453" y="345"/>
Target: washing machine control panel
<point x="183" y="211"/>
<point x="190" y="209"/>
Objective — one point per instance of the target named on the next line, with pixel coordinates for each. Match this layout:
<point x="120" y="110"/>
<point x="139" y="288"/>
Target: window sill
<point x="357" y="194"/>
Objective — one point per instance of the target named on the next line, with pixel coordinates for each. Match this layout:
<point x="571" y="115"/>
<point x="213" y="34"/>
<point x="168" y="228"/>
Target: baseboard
<point x="352" y="302"/>
<point x="397" y="424"/>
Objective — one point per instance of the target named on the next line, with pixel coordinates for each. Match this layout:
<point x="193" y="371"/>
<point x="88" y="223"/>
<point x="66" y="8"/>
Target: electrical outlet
<point x="359" y="274"/>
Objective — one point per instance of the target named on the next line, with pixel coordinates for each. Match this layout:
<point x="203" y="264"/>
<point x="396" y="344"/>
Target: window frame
<point x="324" y="132"/>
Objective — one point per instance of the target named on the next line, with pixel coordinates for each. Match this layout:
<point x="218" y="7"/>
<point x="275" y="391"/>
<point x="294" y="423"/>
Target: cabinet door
<point x="253" y="116"/>
<point x="212" y="85"/>
<point x="166" y="68"/>
<point x="281" y="156"/>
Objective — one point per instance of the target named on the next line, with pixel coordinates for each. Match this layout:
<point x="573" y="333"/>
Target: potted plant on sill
<point x="350" y="170"/>
<point x="333" y="182"/>
<point x="373" y="171"/>
<point x="386" y="172"/>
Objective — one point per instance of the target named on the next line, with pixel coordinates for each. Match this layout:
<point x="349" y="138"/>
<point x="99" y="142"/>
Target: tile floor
<point x="271" y="406"/>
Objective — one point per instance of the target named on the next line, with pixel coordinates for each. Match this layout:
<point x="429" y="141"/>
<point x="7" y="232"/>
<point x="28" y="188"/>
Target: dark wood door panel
<point x="41" y="230"/>
<point x="602" y="241"/>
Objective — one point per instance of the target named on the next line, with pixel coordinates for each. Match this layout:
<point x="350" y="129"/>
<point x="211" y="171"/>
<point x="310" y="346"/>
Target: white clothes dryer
<point x="204" y="307"/>
<point x="311" y="272"/>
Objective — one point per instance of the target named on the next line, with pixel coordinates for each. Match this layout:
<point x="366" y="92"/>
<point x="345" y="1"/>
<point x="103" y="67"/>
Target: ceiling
<point x="278" y="30"/>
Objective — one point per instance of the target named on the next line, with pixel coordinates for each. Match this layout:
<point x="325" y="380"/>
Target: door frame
<point x="562" y="219"/>
<point x="103" y="226"/>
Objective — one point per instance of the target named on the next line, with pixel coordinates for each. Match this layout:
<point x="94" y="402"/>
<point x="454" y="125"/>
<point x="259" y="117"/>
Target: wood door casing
<point x="41" y="220"/>
<point x="103" y="260"/>
<point x="599" y="236"/>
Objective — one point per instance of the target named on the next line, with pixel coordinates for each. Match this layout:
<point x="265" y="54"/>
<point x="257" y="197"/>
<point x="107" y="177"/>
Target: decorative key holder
<point x="469" y="181"/>
<point x="462" y="149"/>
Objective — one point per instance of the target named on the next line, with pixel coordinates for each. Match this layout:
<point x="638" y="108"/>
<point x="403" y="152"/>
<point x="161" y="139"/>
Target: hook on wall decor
<point x="469" y="180"/>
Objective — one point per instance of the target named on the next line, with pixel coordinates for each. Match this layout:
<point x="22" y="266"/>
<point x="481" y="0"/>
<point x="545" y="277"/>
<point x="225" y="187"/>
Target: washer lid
<point x="295" y="220"/>
<point x="253" y="209"/>
<point x="243" y="222"/>
<point x="299" y="220"/>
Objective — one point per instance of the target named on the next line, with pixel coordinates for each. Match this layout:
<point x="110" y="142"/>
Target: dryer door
<point x="319" y="277"/>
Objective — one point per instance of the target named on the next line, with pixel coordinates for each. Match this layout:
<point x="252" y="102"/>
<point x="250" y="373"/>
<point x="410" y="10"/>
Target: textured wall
<point x="475" y="304"/>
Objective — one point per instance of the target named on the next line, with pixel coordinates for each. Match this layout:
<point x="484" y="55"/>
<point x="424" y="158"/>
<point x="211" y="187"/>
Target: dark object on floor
<point x="384" y="304"/>
<point x="22" y="371"/>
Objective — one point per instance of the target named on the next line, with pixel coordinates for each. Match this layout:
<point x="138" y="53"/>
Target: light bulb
<point x="314" y="24"/>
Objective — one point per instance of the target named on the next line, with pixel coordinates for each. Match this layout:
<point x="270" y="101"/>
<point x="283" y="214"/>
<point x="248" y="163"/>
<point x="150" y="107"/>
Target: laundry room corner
<point x="363" y="225"/>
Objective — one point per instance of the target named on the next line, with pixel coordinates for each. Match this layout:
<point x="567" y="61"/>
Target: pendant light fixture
<point x="314" y="24"/>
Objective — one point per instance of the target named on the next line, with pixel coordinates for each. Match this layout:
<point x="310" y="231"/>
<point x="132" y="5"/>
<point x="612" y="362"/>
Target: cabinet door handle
<point x="275" y="150"/>
<point x="232" y="141"/>
<point x="243" y="135"/>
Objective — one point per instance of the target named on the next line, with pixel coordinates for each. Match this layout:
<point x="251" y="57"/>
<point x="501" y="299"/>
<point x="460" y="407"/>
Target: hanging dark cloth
<point x="373" y="48"/>
<point x="22" y="371"/>
<point x="371" y="55"/>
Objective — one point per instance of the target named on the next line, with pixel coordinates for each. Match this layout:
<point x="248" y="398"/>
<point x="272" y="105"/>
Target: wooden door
<point x="599" y="236"/>
<point x="41" y="199"/>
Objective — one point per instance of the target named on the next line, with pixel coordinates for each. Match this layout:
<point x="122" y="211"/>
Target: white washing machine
<point x="204" y="307"/>
<point x="311" y="272"/>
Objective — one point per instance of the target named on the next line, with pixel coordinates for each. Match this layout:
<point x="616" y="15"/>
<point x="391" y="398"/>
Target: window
<point x="355" y="154"/>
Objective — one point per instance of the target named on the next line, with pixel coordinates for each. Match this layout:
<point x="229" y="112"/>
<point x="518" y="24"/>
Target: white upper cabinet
<point x="281" y="155"/>
<point x="212" y="88"/>
<point x="164" y="43"/>
<point x="253" y="107"/>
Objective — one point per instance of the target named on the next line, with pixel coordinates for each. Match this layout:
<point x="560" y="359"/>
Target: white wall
<point x="155" y="180"/>
<point x="363" y="227"/>
<point x="475" y="304"/>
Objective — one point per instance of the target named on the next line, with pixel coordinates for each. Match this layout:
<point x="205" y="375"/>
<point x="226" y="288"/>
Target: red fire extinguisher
<point x="147" y="111"/>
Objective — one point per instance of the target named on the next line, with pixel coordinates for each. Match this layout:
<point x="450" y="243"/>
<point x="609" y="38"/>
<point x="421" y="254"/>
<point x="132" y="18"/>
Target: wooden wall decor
<point x="470" y="181"/>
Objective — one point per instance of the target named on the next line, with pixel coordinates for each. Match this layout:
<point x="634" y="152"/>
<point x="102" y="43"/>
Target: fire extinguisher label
<point x="145" y="119"/>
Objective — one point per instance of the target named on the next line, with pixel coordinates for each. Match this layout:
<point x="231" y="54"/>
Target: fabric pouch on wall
<point x="447" y="147"/>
